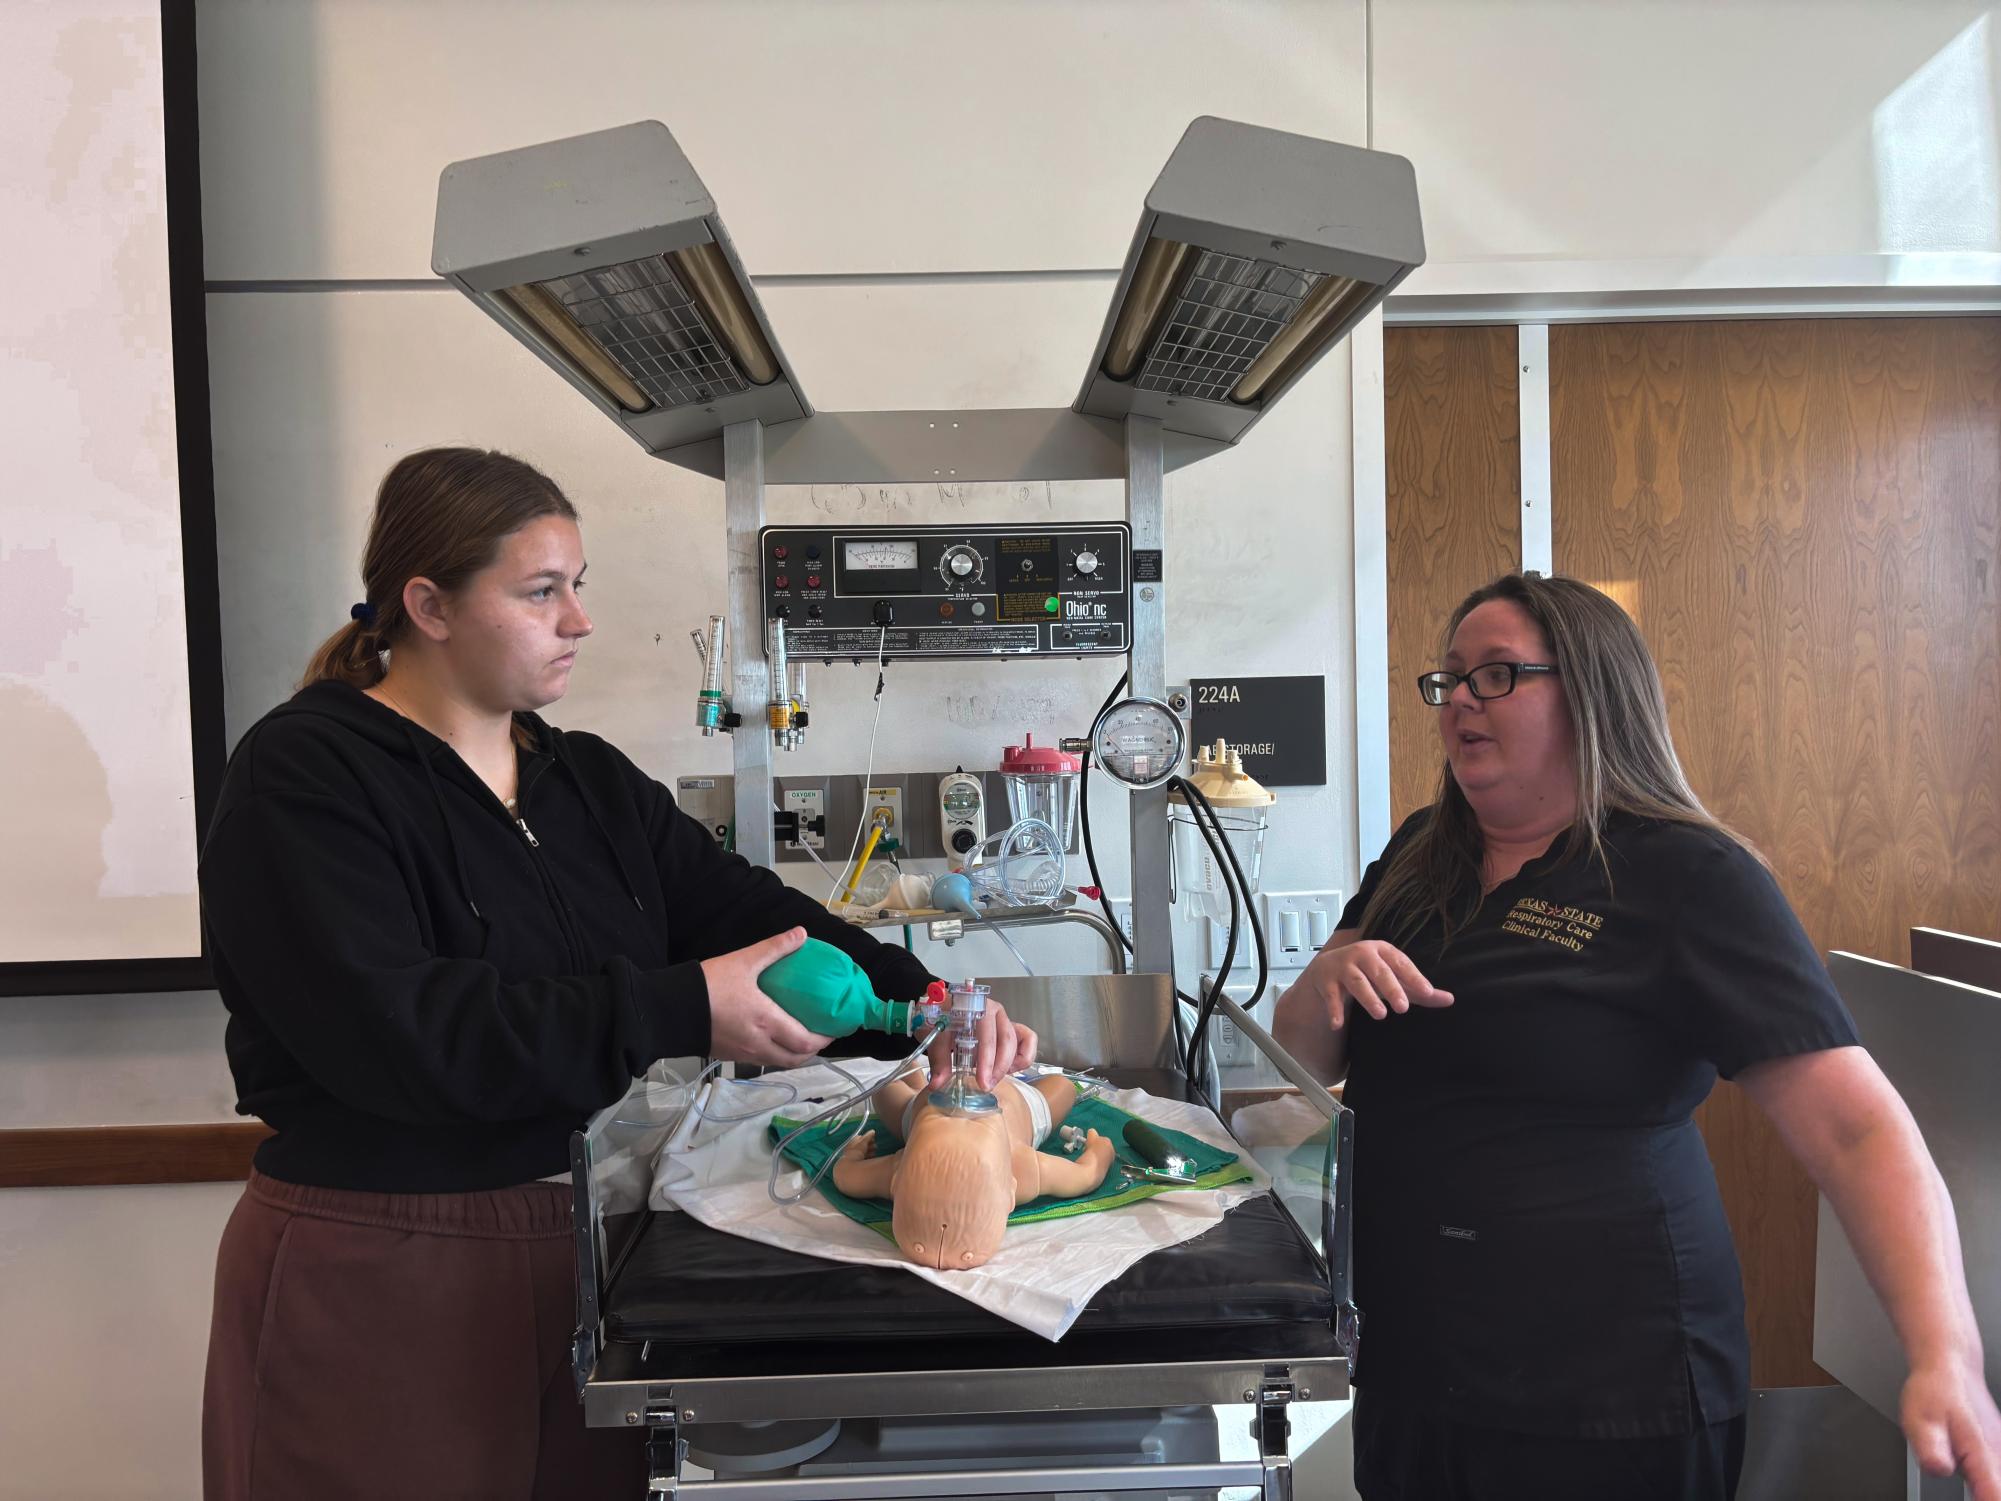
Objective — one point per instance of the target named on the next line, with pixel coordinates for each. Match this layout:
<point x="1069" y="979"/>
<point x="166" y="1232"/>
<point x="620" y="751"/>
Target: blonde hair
<point x="1626" y="761"/>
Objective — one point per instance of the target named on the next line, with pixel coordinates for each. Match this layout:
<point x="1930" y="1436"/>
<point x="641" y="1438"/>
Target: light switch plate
<point x="1307" y="911"/>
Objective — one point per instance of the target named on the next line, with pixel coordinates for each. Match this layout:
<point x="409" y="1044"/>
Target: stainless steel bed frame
<point x="1118" y="1024"/>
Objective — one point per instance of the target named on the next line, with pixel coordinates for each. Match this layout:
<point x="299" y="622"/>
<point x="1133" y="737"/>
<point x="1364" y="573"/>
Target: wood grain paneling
<point x="1805" y="519"/>
<point x="1454" y="514"/>
<point x="96" y="1156"/>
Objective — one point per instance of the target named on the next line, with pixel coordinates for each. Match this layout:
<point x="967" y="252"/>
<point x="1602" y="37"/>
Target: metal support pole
<point x="750" y="673"/>
<point x="1153" y="921"/>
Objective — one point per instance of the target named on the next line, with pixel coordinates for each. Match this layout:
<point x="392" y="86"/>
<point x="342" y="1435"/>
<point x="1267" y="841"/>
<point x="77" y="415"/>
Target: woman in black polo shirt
<point x="1539" y="980"/>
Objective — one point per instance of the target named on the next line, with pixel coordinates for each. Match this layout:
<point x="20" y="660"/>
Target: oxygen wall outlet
<point x="1297" y="923"/>
<point x="808" y="803"/>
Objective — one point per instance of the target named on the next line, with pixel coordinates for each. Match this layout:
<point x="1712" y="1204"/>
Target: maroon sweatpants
<point x="401" y="1345"/>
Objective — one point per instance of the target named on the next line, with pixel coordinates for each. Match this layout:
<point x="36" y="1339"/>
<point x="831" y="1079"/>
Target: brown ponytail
<point x="441" y="514"/>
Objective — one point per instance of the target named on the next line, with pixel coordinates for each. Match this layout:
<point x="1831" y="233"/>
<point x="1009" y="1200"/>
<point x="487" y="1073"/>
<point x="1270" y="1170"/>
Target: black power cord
<point x="1197" y="1066"/>
<point x="1188" y="1049"/>
<point x="1213" y="834"/>
<point x="1084" y="802"/>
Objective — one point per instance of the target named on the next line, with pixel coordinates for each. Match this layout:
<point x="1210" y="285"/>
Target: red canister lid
<point x="1031" y="759"/>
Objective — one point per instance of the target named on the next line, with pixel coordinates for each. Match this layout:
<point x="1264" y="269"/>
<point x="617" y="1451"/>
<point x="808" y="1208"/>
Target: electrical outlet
<point x="1297" y="923"/>
<point x="1122" y="909"/>
<point x="1218" y="935"/>
<point x="807" y="802"/>
<point x="1232" y="1048"/>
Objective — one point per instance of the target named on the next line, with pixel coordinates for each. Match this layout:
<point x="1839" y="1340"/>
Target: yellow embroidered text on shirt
<point x="1567" y="927"/>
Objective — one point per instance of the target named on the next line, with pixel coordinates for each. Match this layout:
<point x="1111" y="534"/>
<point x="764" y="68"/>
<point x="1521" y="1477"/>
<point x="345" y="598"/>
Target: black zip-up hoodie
<point x="428" y="996"/>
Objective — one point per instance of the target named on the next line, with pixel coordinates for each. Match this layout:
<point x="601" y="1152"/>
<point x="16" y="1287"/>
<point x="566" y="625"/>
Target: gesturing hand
<point x="1951" y="1422"/>
<point x="1379" y="977"/>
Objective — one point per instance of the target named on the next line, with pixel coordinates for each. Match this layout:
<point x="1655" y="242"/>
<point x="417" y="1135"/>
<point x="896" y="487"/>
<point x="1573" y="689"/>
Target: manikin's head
<point x="952" y="1199"/>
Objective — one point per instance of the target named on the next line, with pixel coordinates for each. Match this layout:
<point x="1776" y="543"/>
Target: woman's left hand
<point x="1951" y="1422"/>
<point x="1005" y="1046"/>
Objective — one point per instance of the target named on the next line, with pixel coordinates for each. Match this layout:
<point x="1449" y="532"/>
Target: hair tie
<point x="364" y="612"/>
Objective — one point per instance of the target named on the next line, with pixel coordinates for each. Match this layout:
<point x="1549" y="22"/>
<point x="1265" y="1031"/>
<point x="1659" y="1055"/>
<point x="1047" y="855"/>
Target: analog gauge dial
<point x="1140" y="741"/>
<point x="880" y="555"/>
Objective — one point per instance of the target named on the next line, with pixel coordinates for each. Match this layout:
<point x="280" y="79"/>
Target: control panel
<point x="949" y="591"/>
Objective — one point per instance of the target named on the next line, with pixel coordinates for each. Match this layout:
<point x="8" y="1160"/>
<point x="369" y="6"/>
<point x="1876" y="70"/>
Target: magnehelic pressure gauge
<point x="1140" y="741"/>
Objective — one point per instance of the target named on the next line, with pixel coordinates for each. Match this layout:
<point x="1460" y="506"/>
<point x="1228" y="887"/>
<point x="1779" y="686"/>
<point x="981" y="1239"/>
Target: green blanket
<point x="1213" y="1167"/>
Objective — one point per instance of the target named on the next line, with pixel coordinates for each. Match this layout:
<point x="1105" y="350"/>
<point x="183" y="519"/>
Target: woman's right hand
<point x="1379" y="977"/>
<point x="745" y="1024"/>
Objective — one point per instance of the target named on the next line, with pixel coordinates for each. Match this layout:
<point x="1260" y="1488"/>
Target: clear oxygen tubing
<point x="914" y="1059"/>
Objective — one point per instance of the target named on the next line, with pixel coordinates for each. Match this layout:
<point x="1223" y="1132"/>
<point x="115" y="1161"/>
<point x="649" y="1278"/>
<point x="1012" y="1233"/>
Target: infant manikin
<point x="961" y="1171"/>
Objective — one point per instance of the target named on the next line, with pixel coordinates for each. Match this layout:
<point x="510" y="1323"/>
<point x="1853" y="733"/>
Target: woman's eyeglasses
<point x="1488" y="680"/>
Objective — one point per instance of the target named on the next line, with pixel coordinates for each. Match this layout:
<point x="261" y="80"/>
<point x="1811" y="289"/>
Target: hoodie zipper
<point x="552" y="893"/>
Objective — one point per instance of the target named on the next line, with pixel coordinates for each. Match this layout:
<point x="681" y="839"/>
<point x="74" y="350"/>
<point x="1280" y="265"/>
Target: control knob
<point x="960" y="564"/>
<point x="1087" y="563"/>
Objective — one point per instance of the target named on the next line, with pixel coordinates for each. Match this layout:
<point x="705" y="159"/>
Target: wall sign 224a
<point x="1278" y="725"/>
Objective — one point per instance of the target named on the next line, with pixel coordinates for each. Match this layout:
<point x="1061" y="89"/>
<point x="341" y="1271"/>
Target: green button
<point x="1050" y="605"/>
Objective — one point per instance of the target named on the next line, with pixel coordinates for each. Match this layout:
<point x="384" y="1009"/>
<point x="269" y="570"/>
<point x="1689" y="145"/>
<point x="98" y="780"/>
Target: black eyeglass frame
<point x="1515" y="671"/>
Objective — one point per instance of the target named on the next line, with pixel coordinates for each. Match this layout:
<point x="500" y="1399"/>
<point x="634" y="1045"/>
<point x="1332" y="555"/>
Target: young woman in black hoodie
<point x="446" y="933"/>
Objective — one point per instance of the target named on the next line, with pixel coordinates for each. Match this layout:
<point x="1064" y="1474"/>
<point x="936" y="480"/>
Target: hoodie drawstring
<point x="597" y="819"/>
<point x="444" y="816"/>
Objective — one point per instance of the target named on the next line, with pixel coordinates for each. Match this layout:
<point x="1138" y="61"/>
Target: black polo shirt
<point x="1539" y="1243"/>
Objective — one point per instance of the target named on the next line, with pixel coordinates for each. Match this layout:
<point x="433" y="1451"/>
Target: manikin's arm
<point x="1043" y="1173"/>
<point x="862" y="1176"/>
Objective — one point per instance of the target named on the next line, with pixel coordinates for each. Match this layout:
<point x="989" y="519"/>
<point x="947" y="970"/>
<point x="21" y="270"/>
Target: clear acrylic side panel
<point x="1301" y="1149"/>
<point x="611" y="1174"/>
<point x="1304" y="1137"/>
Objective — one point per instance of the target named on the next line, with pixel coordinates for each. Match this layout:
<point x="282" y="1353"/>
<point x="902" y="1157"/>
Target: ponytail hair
<point x="441" y="514"/>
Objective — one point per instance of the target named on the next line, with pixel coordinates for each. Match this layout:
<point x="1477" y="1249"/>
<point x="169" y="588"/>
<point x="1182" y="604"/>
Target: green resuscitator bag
<point x="830" y="994"/>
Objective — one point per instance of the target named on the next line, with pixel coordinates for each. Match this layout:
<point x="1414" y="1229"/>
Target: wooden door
<point x="1453" y="514"/>
<point x="1805" y="518"/>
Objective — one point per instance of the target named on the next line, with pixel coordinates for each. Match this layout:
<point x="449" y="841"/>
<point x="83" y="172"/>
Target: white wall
<point x="1580" y="145"/>
<point x="891" y="135"/>
<point x="999" y="143"/>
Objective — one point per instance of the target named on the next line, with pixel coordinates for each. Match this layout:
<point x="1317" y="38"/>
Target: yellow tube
<point x="867" y="850"/>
